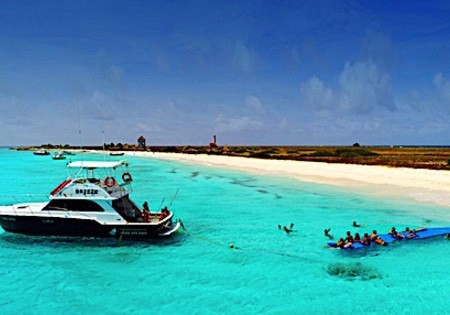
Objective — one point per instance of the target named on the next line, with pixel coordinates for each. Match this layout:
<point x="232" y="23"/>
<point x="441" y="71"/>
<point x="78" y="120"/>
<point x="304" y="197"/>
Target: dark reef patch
<point x="244" y="183"/>
<point x="353" y="271"/>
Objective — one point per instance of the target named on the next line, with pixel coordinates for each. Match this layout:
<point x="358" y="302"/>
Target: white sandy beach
<point x="428" y="186"/>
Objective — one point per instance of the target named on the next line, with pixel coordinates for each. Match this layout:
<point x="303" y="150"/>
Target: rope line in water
<point x="257" y="250"/>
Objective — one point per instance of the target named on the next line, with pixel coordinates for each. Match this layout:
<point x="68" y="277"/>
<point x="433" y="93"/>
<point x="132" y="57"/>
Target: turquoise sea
<point x="196" y="272"/>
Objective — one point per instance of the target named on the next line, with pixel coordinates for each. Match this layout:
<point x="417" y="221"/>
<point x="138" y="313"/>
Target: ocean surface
<point x="196" y="272"/>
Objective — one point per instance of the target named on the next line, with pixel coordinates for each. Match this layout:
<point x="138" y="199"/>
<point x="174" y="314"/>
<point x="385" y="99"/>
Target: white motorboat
<point x="86" y="204"/>
<point x="59" y="156"/>
<point x="41" y="152"/>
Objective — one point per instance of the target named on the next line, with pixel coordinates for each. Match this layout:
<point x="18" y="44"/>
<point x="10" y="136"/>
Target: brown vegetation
<point x="416" y="157"/>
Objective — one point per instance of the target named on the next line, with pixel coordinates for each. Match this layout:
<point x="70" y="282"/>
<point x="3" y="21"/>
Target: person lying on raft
<point x="395" y="234"/>
<point x="373" y="236"/>
<point x="380" y="241"/>
<point x="342" y="244"/>
<point x="376" y="239"/>
<point x="366" y="240"/>
<point x="349" y="238"/>
<point x="326" y="232"/>
<point x="410" y="233"/>
<point x="357" y="238"/>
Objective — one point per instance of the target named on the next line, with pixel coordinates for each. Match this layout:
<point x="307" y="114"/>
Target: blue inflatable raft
<point x="387" y="238"/>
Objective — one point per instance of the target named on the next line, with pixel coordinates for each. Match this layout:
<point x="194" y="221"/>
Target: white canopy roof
<point x="95" y="164"/>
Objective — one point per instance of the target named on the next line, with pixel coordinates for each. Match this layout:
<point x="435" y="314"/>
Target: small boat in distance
<point x="68" y="153"/>
<point x="59" y="156"/>
<point x="116" y="153"/>
<point x="41" y="152"/>
<point x="89" y="204"/>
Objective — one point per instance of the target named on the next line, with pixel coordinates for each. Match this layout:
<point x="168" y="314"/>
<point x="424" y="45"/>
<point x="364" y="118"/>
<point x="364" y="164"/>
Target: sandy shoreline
<point x="421" y="185"/>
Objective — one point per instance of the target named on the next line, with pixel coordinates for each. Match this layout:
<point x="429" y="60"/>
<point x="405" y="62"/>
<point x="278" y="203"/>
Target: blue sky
<point x="252" y="72"/>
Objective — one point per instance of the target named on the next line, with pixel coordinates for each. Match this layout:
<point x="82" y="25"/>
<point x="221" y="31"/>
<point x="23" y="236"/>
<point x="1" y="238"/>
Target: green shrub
<point x="354" y="152"/>
<point x="261" y="155"/>
<point x="346" y="152"/>
<point x="324" y="153"/>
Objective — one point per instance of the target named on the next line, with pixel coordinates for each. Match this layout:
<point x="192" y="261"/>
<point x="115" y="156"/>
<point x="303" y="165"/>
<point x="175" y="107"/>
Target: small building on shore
<point x="213" y="145"/>
<point x="141" y="142"/>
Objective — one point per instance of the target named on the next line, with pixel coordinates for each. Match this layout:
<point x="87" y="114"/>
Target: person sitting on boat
<point x="366" y="240"/>
<point x="356" y="224"/>
<point x="164" y="213"/>
<point x="326" y="232"/>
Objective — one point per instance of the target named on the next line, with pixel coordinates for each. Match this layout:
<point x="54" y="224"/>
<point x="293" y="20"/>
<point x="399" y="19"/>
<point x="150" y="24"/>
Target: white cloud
<point x="142" y="127"/>
<point x="378" y="47"/>
<point x="443" y="86"/>
<point x="244" y="58"/>
<point x="362" y="88"/>
<point x="254" y="105"/>
<point x="98" y="107"/>
<point x="316" y="95"/>
<point x="240" y="123"/>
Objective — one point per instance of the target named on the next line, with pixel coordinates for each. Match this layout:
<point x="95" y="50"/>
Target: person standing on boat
<point x="146" y="212"/>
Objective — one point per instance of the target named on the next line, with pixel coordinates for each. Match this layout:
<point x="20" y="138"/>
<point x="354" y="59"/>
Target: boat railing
<point x="49" y="213"/>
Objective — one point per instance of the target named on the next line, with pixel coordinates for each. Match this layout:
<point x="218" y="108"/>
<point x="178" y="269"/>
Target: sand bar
<point x="422" y="185"/>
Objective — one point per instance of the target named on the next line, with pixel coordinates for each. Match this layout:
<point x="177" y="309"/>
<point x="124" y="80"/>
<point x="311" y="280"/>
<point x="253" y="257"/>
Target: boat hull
<point x="56" y="226"/>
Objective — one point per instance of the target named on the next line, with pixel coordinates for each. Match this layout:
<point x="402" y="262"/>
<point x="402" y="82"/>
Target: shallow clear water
<point x="196" y="272"/>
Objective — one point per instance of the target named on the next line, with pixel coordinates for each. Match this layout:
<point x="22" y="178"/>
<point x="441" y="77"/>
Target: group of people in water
<point x="367" y="240"/>
<point x="147" y="215"/>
